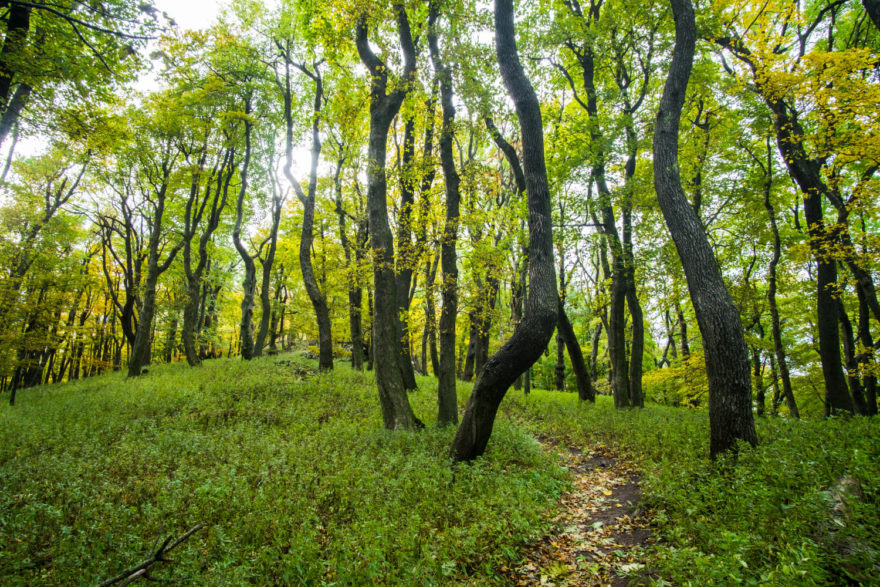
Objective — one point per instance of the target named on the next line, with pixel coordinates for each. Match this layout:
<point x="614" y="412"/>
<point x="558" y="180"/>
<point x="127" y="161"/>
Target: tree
<point x="540" y="316"/>
<point x="51" y="49"/>
<point x="727" y="362"/>
<point x="397" y="413"/>
<point x="307" y="198"/>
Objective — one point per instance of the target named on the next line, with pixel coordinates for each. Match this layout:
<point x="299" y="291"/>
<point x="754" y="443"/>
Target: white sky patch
<point x="191" y="14"/>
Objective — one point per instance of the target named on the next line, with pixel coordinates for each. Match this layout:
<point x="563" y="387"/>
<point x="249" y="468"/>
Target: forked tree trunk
<point x="397" y="413"/>
<point x="727" y="360"/>
<point x="316" y="296"/>
<point x="539" y="320"/>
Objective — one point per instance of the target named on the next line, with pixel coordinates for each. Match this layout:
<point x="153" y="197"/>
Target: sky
<point x="191" y="14"/>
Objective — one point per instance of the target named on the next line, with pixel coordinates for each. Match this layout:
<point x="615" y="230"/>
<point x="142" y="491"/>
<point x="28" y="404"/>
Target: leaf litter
<point x="600" y="535"/>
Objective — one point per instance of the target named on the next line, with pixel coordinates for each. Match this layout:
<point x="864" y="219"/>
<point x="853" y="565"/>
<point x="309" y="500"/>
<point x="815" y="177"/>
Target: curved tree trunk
<point x="319" y="301"/>
<point x="727" y="360"/>
<point x="447" y="400"/>
<point x="534" y="332"/>
<point x="397" y="413"/>
<point x="775" y="327"/>
<point x="246" y="326"/>
<point x="581" y="375"/>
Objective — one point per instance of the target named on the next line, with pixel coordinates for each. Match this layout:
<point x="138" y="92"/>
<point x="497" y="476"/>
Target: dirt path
<point x="600" y="532"/>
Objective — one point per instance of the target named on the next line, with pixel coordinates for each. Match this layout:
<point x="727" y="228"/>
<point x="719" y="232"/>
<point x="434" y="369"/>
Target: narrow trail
<point x="600" y="532"/>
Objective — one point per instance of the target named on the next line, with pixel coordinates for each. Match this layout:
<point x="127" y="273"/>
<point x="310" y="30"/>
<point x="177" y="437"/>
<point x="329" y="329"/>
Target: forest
<point x="447" y="292"/>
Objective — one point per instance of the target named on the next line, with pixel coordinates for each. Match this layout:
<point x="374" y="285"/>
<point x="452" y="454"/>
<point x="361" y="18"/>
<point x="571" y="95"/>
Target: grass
<point x="297" y="484"/>
<point x="293" y="477"/>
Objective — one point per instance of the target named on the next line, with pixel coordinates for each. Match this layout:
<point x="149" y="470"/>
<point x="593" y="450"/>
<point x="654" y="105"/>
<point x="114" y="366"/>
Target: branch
<point x="142" y="570"/>
<point x="72" y="21"/>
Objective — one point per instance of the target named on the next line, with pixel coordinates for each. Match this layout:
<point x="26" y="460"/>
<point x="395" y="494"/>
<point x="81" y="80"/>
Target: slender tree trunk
<point x="594" y="353"/>
<point x="584" y="385"/>
<point x="865" y="357"/>
<point x="429" y="337"/>
<point x="683" y="332"/>
<point x="775" y="326"/>
<point x="316" y="296"/>
<point x="852" y="363"/>
<point x="807" y="174"/>
<point x="246" y="326"/>
<point x="560" y="342"/>
<point x="266" y="283"/>
<point x="534" y="332"/>
<point x="406" y="253"/>
<point x="727" y="362"/>
<point x="447" y="400"/>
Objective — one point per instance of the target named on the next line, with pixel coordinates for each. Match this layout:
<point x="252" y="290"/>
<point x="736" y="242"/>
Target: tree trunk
<point x="852" y="363"/>
<point x="397" y="413"/>
<point x="727" y="362"/>
<point x="17" y="27"/>
<point x="865" y="357"/>
<point x="775" y="327"/>
<point x="140" y="349"/>
<point x="316" y="296"/>
<point x="806" y="172"/>
<point x="873" y="9"/>
<point x="560" y="343"/>
<point x="429" y="336"/>
<point x="566" y="331"/>
<point x="594" y="352"/>
<point x="447" y="400"/>
<point x="246" y="326"/>
<point x="534" y="332"/>
<point x="406" y="258"/>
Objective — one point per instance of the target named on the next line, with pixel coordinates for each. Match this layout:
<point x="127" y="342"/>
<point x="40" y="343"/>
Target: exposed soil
<point x="600" y="533"/>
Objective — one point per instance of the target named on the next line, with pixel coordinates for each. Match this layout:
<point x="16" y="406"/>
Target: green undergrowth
<point x="291" y="474"/>
<point x="802" y="508"/>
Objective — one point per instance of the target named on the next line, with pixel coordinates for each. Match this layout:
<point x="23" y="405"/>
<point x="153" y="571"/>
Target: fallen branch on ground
<point x="143" y="569"/>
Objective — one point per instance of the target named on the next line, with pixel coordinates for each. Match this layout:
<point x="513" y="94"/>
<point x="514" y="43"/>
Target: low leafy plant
<point x="801" y="508"/>
<point x="291" y="473"/>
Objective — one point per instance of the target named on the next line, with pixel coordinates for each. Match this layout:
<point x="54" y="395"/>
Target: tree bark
<point x="355" y="292"/>
<point x="872" y="7"/>
<point x="397" y="413"/>
<point x="17" y="27"/>
<point x="246" y="326"/>
<point x="852" y="363"/>
<point x="316" y="296"/>
<point x="534" y="332"/>
<point x="406" y="259"/>
<point x="806" y="173"/>
<point x="727" y="361"/>
<point x="775" y="326"/>
<point x="865" y="358"/>
<point x="582" y="377"/>
<point x="447" y="399"/>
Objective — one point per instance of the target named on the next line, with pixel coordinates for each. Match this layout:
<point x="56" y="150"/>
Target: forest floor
<point x="600" y="533"/>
